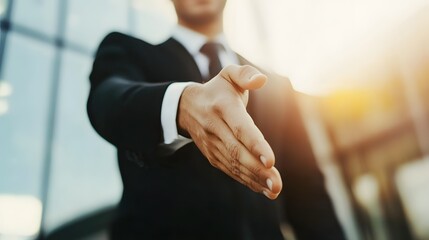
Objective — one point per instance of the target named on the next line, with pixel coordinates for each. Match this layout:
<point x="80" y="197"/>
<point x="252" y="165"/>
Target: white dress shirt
<point x="192" y="41"/>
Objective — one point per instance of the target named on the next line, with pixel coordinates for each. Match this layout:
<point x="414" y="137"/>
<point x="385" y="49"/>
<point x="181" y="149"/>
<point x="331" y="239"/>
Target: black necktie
<point x="211" y="50"/>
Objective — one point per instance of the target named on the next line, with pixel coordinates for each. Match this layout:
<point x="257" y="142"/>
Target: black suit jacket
<point x="181" y="196"/>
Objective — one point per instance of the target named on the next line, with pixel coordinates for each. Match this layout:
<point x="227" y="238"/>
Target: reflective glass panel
<point x="84" y="175"/>
<point x="24" y="106"/>
<point x="38" y="15"/>
<point x="3" y="7"/>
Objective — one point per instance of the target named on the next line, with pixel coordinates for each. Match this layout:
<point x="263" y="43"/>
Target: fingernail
<point x="270" y="184"/>
<point x="255" y="76"/>
<point x="266" y="193"/>
<point x="263" y="160"/>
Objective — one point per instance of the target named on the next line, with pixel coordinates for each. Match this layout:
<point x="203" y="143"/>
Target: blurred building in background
<point x="376" y="132"/>
<point x="367" y="61"/>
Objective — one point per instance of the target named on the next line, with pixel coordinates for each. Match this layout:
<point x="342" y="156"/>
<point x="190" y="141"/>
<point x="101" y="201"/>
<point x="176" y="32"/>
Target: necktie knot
<point x="211" y="50"/>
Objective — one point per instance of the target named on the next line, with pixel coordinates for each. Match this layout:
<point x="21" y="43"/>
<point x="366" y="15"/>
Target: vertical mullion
<point x="51" y="123"/>
<point x="5" y="26"/>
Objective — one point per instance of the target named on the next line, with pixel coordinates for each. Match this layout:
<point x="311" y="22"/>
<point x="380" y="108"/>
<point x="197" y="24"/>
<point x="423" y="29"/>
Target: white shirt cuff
<point x="169" y="108"/>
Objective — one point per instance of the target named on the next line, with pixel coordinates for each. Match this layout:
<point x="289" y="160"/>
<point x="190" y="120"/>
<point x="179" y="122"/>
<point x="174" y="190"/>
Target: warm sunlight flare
<point x="314" y="43"/>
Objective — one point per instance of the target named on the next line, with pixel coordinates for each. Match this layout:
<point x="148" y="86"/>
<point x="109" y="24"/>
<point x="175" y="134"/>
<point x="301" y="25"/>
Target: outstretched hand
<point x="214" y="115"/>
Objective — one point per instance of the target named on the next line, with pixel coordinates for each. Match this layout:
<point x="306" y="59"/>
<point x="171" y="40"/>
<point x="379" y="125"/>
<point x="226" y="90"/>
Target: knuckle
<point x="199" y="135"/>
<point x="256" y="171"/>
<point x="253" y="145"/>
<point x="235" y="172"/>
<point x="218" y="106"/>
<point x="234" y="152"/>
<point x="205" y="145"/>
<point x="253" y="174"/>
<point x="246" y="70"/>
<point x="210" y="126"/>
<point x="236" y="169"/>
<point x="224" y="73"/>
<point x="237" y="131"/>
<point x="229" y="68"/>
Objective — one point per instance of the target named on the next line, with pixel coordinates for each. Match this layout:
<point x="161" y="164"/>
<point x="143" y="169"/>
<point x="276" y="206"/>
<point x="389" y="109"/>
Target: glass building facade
<point x="54" y="167"/>
<point x="53" y="164"/>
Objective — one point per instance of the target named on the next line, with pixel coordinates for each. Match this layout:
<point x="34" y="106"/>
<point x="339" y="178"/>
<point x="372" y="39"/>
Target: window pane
<point x="3" y="7"/>
<point x="39" y="15"/>
<point x="83" y="163"/>
<point x="88" y="21"/>
<point x="27" y="75"/>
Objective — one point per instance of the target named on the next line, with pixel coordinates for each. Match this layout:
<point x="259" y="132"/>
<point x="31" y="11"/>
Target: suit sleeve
<point x="124" y="107"/>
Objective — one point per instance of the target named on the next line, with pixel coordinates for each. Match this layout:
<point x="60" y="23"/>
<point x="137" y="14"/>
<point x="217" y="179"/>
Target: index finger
<point x="245" y="130"/>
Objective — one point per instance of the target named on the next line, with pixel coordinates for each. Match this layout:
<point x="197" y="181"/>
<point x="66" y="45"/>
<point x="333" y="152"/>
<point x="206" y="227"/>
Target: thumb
<point x="244" y="77"/>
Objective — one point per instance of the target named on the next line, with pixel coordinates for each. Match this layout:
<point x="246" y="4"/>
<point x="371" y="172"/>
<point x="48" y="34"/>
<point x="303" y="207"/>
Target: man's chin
<point x="203" y="18"/>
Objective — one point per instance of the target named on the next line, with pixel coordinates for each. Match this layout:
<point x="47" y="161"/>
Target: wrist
<point x="184" y="109"/>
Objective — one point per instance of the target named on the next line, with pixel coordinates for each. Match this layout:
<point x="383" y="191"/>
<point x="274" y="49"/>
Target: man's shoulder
<point x="124" y="39"/>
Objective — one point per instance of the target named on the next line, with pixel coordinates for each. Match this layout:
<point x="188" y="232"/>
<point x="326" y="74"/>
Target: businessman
<point x="193" y="159"/>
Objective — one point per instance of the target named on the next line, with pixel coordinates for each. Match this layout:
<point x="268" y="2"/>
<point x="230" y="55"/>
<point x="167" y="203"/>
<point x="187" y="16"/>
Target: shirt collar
<point x="193" y="41"/>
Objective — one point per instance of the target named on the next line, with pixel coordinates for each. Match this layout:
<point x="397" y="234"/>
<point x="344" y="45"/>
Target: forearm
<point x="127" y="113"/>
